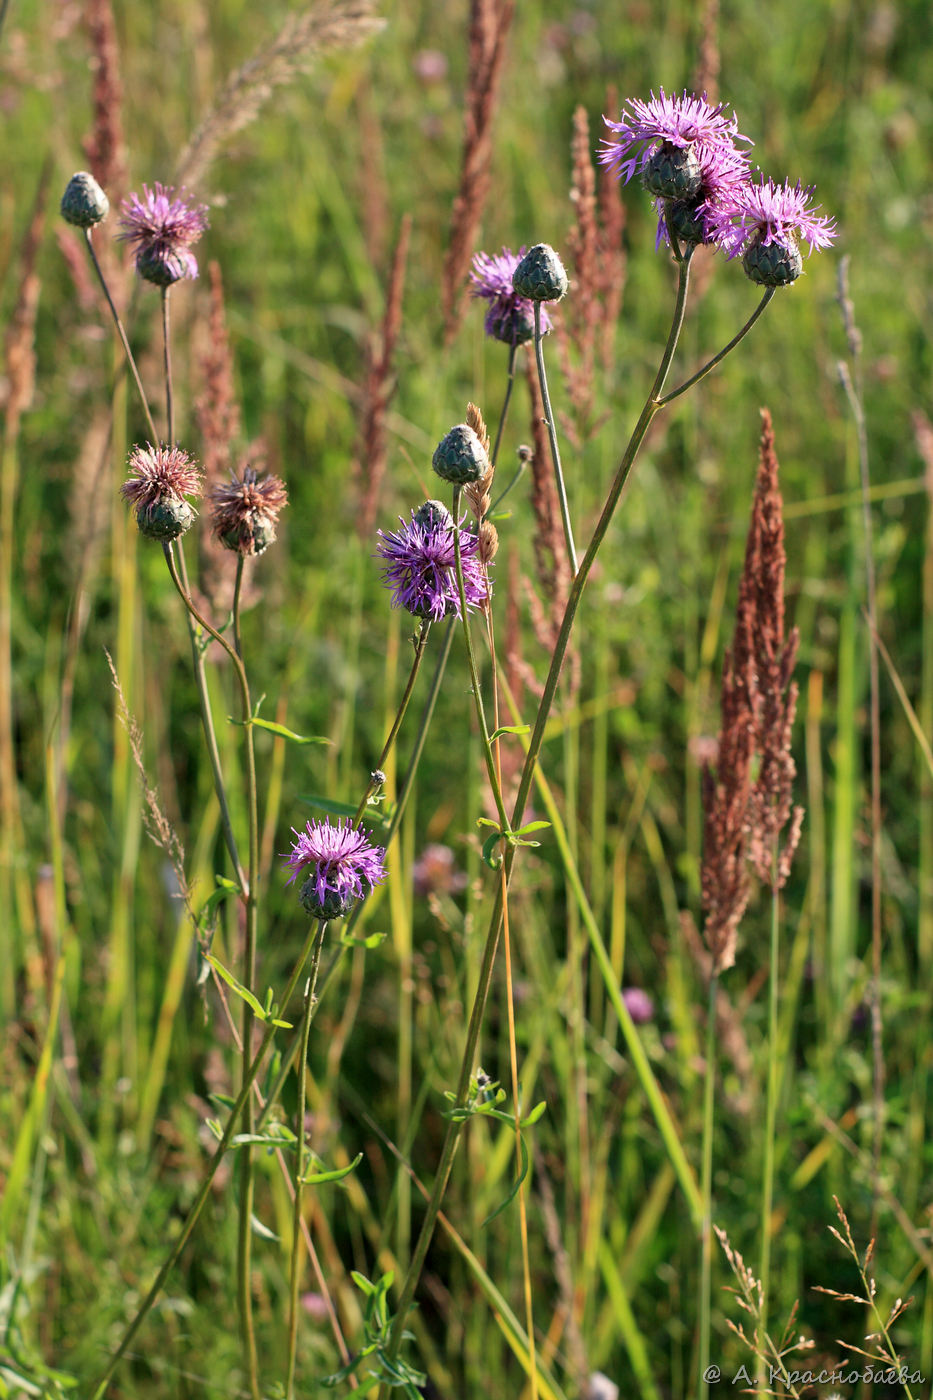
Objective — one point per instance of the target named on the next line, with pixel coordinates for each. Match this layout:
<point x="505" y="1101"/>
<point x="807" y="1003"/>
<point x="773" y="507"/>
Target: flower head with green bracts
<point x="161" y="477"/>
<point x="338" y="865"/>
<point x="510" y="318"/>
<point x="244" y="511"/>
<point x="667" y="140"/>
<point x="421" y="564"/>
<point x="765" y="223"/>
<point x="161" y="227"/>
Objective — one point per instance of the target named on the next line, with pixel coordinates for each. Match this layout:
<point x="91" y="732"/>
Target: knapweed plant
<point x="443" y="564"/>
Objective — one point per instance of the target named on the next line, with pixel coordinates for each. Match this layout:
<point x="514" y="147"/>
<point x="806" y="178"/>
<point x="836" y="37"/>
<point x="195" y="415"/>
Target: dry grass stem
<point x="597" y="262"/>
<point x="157" y="824"/>
<point x="332" y="24"/>
<point x="378" y="389"/>
<point x="490" y="21"/>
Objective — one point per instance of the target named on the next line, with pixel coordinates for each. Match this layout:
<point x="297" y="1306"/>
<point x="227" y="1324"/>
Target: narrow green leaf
<point x="279" y="729"/>
<point x="515" y="1185"/>
<point x="509" y="729"/>
<point x="318" y="1178"/>
<point x="535" y="1113"/>
<point x="489" y="845"/>
<point x="263" y="1231"/>
<point x="242" y="992"/>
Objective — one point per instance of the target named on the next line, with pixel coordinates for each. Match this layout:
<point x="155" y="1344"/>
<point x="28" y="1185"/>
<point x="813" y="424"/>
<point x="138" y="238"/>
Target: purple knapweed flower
<point x="766" y="222"/>
<point x="161" y="229"/>
<point x="667" y="140"/>
<point x="421" y="564"/>
<point x="161" y="479"/>
<point x="724" y="172"/>
<point x="510" y="318"/>
<point x="638" y="1004"/>
<point x="339" y="865"/>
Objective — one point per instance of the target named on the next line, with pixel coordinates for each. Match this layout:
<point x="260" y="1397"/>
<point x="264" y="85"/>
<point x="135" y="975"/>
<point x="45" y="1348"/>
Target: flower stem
<point x="401" y="803"/>
<point x="451" y="1139"/>
<point x="474" y="673"/>
<point x="421" y="641"/>
<point x="191" y="1219"/>
<point x="244" y="1232"/>
<point x="552" y="437"/>
<point x="123" y="340"/>
<point x="167" y="362"/>
<point x="711" y="364"/>
<point x="309" y="1004"/>
<point x="509" y="386"/>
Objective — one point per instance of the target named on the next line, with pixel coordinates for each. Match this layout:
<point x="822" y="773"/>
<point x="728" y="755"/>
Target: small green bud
<point x="433" y="514"/>
<point x="773" y="264"/>
<point x="84" y="202"/>
<point x="332" y="906"/>
<point x="459" y="457"/>
<point x="673" y="172"/>
<point x="165" y="519"/>
<point x="540" y="275"/>
<point x="683" y="221"/>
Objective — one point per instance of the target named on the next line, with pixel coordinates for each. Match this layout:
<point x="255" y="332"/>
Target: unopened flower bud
<point x="774" y="264"/>
<point x="460" y="457"/>
<point x="433" y="515"/>
<point x="674" y="172"/>
<point x="684" y="221"/>
<point x="84" y="203"/>
<point x="540" y="275"/>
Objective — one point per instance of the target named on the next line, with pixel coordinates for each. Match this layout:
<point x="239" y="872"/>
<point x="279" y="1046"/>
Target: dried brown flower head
<point x="244" y="511"/>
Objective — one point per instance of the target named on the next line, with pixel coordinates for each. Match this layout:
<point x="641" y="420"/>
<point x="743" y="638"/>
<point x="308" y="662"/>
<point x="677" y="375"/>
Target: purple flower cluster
<point x="510" y="318"/>
<point x="161" y="229"/>
<point x="689" y="156"/>
<point x="339" y="865"/>
<point x="421" y="564"/>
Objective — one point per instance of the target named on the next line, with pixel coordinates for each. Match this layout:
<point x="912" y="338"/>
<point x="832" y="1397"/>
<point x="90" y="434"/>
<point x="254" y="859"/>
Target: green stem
<point x="474" y="672"/>
<point x="244" y="1232"/>
<point x="191" y="1219"/>
<point x="711" y="364"/>
<point x="552" y="438"/>
<point x="309" y="1004"/>
<point x="706" y="1185"/>
<point x="123" y="340"/>
<point x="167" y="363"/>
<point x="421" y="641"/>
<point x="401" y="803"/>
<point x="767" y="1175"/>
<point x="452" y="1136"/>
<point x="509" y="386"/>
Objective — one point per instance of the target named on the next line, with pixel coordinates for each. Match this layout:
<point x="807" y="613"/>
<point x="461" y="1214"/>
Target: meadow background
<point x="109" y="1049"/>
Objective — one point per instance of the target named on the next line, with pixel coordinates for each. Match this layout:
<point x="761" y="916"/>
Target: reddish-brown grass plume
<point x="489" y="26"/>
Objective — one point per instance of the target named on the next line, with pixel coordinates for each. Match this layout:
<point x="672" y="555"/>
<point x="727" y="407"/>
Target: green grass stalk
<point x="99" y="1387"/>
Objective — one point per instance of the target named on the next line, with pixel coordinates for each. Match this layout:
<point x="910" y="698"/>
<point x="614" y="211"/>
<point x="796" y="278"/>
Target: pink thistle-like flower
<point x="339" y="864"/>
<point x="770" y="213"/>
<point x="421" y="564"/>
<point x="161" y="229"/>
<point x="647" y="129"/>
<point x="724" y="172"/>
<point x="161" y="479"/>
<point x="244" y="512"/>
<point x="510" y="318"/>
<point x="638" y="1004"/>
